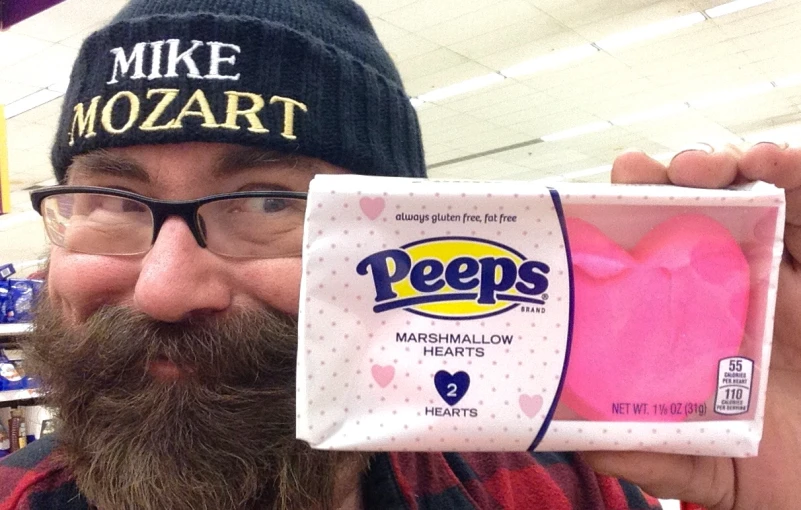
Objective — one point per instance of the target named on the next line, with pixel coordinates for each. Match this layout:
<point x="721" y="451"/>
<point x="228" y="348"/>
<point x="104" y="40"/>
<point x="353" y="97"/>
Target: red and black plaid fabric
<point x="32" y="480"/>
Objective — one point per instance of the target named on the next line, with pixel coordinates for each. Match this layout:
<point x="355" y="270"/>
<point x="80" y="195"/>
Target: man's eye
<point x="131" y="206"/>
<point x="272" y="205"/>
<point x="258" y="205"/>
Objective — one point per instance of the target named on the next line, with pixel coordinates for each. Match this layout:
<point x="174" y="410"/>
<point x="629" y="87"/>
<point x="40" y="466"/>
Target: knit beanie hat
<point x="303" y="77"/>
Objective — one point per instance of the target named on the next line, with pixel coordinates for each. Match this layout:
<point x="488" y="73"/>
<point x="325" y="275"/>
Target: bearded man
<point x="166" y="339"/>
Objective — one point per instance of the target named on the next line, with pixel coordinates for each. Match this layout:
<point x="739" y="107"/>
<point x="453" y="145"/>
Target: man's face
<point x="177" y="279"/>
<point x="173" y="371"/>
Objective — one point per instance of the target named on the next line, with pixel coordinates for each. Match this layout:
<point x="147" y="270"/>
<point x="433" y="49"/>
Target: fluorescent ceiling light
<point x="550" y="61"/>
<point x="726" y="96"/>
<point x="665" y="110"/>
<point x="416" y="102"/>
<point x="30" y="102"/>
<point x="788" y="81"/>
<point x="577" y="131"/>
<point x="460" y="88"/>
<point x="737" y="5"/>
<point x="651" y="31"/>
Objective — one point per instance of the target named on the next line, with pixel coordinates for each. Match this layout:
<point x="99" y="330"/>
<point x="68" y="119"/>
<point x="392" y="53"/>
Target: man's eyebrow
<point x="102" y="162"/>
<point x="245" y="158"/>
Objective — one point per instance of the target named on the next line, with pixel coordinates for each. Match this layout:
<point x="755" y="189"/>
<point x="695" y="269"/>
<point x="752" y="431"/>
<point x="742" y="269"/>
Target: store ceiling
<point x="515" y="127"/>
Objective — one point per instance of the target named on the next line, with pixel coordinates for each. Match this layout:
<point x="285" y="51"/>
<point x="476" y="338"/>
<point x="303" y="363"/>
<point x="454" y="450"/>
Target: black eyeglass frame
<point x="162" y="209"/>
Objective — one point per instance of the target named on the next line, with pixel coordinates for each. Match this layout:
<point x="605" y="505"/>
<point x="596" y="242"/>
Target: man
<point x="167" y="335"/>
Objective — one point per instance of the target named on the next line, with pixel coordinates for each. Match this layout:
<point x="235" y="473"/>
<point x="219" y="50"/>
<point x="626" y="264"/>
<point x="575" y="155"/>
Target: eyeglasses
<point x="104" y="221"/>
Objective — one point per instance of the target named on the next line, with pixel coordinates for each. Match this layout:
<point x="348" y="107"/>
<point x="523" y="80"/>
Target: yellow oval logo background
<point x="445" y="250"/>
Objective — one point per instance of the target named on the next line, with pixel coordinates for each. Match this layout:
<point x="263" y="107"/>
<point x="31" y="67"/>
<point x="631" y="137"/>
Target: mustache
<point x="117" y="345"/>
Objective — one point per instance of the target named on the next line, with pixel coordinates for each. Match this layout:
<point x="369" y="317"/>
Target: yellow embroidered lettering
<point x="233" y="111"/>
<point x="289" y="115"/>
<point x="84" y="121"/>
<point x="204" y="111"/>
<point x="108" y="110"/>
<point x="150" y="122"/>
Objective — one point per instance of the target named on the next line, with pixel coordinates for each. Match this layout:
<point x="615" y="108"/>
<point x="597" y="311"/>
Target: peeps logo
<point x="455" y="278"/>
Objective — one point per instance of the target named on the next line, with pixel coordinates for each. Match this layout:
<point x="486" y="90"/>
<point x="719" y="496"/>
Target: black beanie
<point x="299" y="76"/>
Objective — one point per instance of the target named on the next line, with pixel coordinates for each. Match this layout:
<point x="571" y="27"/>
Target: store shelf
<point x="11" y="396"/>
<point x="14" y="329"/>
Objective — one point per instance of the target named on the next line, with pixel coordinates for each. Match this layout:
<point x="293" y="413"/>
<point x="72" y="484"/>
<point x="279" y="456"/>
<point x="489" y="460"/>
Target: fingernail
<point x="782" y="146"/>
<point x="700" y="146"/>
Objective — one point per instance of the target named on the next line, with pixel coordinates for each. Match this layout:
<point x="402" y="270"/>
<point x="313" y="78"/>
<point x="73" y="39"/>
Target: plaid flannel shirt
<point x="32" y="479"/>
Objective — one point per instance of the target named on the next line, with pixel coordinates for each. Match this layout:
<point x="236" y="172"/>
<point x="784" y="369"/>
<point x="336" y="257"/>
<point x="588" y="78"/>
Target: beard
<point x="219" y="436"/>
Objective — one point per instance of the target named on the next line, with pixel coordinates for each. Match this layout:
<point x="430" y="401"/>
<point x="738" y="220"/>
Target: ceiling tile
<point x="25" y="136"/>
<point x="491" y="18"/>
<point x="496" y="138"/>
<point x="429" y="63"/>
<point x="448" y="76"/>
<point x="410" y="46"/>
<point x="426" y="13"/>
<point x="50" y="66"/>
<point x="541" y="125"/>
<point x="679" y="132"/>
<point x="66" y="19"/>
<point x="589" y="12"/>
<point x="16" y="48"/>
<point x="621" y="18"/>
<point x="683" y="43"/>
<point x="481" y="168"/>
<point x="76" y="40"/>
<point x="519" y="43"/>
<point x="387" y="32"/>
<point x="449" y="155"/>
<point x="518" y="109"/>
<point x="431" y="113"/>
<point x="47" y="114"/>
<point x="375" y="8"/>
<point x="11" y="91"/>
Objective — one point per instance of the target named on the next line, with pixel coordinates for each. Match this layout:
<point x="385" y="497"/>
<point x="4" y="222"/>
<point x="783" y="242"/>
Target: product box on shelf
<point x="499" y="316"/>
<point x="20" y="299"/>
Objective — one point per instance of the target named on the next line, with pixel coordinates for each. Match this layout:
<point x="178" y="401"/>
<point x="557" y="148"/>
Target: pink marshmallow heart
<point x="650" y="326"/>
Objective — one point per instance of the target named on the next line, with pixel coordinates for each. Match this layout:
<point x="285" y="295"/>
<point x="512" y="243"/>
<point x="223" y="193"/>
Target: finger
<point x="700" y="166"/>
<point x="774" y="164"/>
<point x="707" y="481"/>
<point x="635" y="167"/>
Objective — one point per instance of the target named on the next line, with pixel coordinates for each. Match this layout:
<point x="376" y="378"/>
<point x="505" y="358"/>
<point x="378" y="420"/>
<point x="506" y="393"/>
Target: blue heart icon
<point x="451" y="387"/>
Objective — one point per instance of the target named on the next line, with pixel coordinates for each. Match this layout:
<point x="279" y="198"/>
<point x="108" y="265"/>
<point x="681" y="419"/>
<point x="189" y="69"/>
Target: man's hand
<point x="769" y="481"/>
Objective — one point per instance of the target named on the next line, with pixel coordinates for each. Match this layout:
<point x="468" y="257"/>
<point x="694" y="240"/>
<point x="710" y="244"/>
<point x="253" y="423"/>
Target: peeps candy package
<point x="501" y="316"/>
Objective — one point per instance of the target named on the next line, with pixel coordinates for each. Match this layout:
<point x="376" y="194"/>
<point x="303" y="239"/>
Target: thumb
<point x="707" y="481"/>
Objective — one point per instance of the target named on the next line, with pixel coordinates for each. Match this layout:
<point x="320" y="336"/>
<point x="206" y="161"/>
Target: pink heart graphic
<point x="651" y="326"/>
<point x="372" y="207"/>
<point x="383" y="375"/>
<point x="530" y="404"/>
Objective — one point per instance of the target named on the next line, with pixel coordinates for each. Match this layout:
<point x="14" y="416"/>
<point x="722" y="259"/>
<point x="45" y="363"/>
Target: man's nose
<point x="180" y="279"/>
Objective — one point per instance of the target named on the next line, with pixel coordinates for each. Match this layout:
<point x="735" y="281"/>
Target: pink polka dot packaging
<point x="495" y="316"/>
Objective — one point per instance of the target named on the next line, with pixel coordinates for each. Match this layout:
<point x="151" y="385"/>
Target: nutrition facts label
<point x="735" y="376"/>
